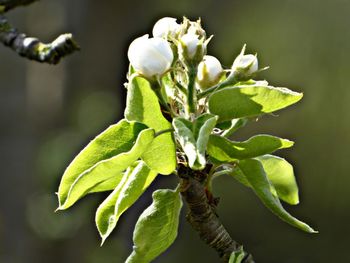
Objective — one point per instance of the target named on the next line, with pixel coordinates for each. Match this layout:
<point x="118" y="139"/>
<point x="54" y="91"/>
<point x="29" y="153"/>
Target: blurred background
<point x="48" y="113"/>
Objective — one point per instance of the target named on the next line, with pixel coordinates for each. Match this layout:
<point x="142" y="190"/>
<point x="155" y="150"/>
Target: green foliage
<point x="237" y="256"/>
<point x="169" y="120"/>
<point x="250" y="100"/>
<point x="193" y="138"/>
<point x="135" y="181"/>
<point x="142" y="105"/>
<point x="224" y="150"/>
<point x="254" y="172"/>
<point x="157" y="227"/>
<point x="281" y="175"/>
<point x="98" y="167"/>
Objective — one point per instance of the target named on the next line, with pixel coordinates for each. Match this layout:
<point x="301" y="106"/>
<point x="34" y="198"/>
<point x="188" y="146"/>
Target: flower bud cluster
<point x="184" y="45"/>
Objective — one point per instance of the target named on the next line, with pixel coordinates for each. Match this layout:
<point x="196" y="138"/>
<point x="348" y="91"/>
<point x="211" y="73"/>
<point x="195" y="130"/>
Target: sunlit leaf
<point x="142" y="105"/>
<point x="254" y="172"/>
<point x="250" y="100"/>
<point x="104" y="171"/>
<point x="114" y="140"/>
<point x="134" y="183"/>
<point x="157" y="227"/>
<point x="281" y="175"/>
<point x="224" y="150"/>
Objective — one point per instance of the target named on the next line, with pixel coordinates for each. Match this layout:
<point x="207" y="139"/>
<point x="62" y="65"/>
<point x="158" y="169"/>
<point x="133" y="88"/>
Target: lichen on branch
<point x="30" y="47"/>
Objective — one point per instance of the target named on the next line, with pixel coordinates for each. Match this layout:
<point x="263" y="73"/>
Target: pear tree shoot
<point x="183" y="108"/>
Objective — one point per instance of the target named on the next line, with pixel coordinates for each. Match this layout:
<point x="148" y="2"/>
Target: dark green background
<point x="47" y="114"/>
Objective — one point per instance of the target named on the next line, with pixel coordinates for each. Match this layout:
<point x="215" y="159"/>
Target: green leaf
<point x="280" y="173"/>
<point x="204" y="125"/>
<point x="135" y="181"/>
<point x="235" y="124"/>
<point x="114" y="140"/>
<point x="186" y="139"/>
<point x="105" y="170"/>
<point x="193" y="138"/>
<point x="156" y="229"/>
<point x="224" y="150"/>
<point x="250" y="100"/>
<point x="142" y="105"/>
<point x="254" y="172"/>
<point x="237" y="256"/>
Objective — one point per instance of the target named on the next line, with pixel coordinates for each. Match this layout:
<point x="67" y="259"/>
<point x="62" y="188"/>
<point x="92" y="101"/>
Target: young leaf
<point x="237" y="256"/>
<point x="250" y="100"/>
<point x="193" y="138"/>
<point x="235" y="124"/>
<point x="280" y="173"/>
<point x="114" y="140"/>
<point x="225" y="150"/>
<point x="134" y="183"/>
<point x="186" y="139"/>
<point x="104" y="217"/>
<point x="142" y="105"/>
<point x="106" y="169"/>
<point x="157" y="227"/>
<point x="254" y="172"/>
<point x="204" y="125"/>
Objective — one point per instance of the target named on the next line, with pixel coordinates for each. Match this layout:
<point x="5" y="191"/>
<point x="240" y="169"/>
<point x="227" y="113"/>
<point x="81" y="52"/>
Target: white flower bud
<point x="209" y="72"/>
<point x="150" y="56"/>
<point x="191" y="48"/>
<point x="166" y="26"/>
<point x="245" y="64"/>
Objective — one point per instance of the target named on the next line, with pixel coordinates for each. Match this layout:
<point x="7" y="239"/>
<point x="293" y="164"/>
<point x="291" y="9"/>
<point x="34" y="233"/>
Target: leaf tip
<point x="288" y="143"/>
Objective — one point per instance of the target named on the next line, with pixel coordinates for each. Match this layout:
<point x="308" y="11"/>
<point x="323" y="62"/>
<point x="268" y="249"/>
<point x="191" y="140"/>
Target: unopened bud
<point x="209" y="72"/>
<point x="191" y="49"/>
<point x="166" y="26"/>
<point x="150" y="56"/>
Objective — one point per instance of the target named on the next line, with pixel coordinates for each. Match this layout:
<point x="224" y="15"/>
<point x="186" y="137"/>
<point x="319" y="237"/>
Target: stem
<point x="226" y="82"/>
<point x="157" y="88"/>
<point x="191" y="90"/>
<point x="202" y="215"/>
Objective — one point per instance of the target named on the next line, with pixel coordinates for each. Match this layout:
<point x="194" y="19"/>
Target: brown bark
<point x="202" y="215"/>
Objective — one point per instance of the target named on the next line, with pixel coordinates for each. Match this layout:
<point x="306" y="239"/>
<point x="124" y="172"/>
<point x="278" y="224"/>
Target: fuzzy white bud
<point x="190" y="43"/>
<point x="166" y="26"/>
<point x="209" y="72"/>
<point x="150" y="56"/>
<point x="245" y="64"/>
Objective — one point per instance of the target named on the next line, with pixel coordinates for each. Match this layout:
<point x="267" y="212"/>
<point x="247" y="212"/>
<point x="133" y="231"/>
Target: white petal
<point x="165" y="26"/>
<point x="212" y="67"/>
<point x="191" y="41"/>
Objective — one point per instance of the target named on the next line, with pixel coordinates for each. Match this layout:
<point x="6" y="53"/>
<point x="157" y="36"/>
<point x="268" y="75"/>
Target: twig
<point x="10" y="4"/>
<point x="29" y="47"/>
<point x="203" y="217"/>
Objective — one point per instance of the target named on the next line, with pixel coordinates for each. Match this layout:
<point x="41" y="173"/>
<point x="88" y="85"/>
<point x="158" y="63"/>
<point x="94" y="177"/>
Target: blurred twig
<point x="29" y="47"/>
<point x="10" y="4"/>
